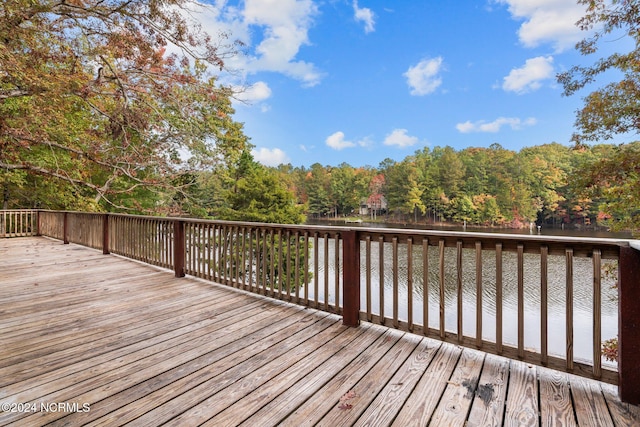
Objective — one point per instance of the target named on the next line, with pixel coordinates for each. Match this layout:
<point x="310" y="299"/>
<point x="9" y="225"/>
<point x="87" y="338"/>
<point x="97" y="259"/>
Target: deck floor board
<point x="138" y="346"/>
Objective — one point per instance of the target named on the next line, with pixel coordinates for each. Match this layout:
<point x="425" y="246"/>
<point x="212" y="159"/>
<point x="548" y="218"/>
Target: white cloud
<point x="337" y="141"/>
<point x="423" y="78"/>
<point x="547" y="21"/>
<point x="400" y="138"/>
<point x="496" y="125"/>
<point x="273" y="31"/>
<point x="365" y="15"/>
<point x="528" y="78"/>
<point x="257" y="92"/>
<point x="284" y="25"/>
<point x="270" y="157"/>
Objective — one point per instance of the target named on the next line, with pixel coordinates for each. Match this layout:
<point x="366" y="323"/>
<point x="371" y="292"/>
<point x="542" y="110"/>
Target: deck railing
<point x="446" y="285"/>
<point x="18" y="223"/>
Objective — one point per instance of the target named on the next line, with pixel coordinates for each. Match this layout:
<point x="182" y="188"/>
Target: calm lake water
<point x="582" y="297"/>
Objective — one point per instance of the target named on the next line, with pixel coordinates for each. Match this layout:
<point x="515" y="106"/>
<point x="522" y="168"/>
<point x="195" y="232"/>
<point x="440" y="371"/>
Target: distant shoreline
<point x="572" y="230"/>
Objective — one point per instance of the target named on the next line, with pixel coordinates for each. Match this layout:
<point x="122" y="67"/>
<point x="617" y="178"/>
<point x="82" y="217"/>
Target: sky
<point x="360" y="81"/>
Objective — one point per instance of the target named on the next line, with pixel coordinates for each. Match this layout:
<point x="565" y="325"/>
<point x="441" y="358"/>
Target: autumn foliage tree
<point x="104" y="101"/>
<point x="611" y="110"/>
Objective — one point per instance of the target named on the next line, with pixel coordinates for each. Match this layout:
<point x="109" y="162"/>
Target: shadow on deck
<point x="101" y="340"/>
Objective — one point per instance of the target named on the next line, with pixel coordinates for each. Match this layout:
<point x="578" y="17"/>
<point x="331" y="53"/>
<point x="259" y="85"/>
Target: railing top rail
<point x="508" y="240"/>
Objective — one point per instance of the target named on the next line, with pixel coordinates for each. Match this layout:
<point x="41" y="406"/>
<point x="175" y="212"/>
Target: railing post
<point x="351" y="278"/>
<point x="65" y="225"/>
<point x="178" y="248"/>
<point x="37" y="222"/>
<point x="105" y="234"/>
<point x="629" y="325"/>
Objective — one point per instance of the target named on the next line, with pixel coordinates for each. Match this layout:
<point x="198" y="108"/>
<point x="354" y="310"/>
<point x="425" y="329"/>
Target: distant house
<point x="374" y="205"/>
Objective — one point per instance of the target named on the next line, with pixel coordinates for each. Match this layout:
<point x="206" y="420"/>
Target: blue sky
<point x="337" y="81"/>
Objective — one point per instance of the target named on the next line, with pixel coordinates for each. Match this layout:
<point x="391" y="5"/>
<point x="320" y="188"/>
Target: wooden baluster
<point x="326" y="272"/>
<point x="381" y="277"/>
<point x="410" y="283"/>
<point x="479" y="294"/>
<point x="306" y="268"/>
<point x="544" y="309"/>
<point x="265" y="266"/>
<point x="368" y="276"/>
<point x="336" y="271"/>
<point x="425" y="287"/>
<point x="296" y="281"/>
<point x="499" y="298"/>
<point x="442" y="289"/>
<point x="316" y="269"/>
<point x="521" y="301"/>
<point x="459" y="288"/>
<point x="569" y="310"/>
<point x="395" y="296"/>
<point x="597" y="313"/>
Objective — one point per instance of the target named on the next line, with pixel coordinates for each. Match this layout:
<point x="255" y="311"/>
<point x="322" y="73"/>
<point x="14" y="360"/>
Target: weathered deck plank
<point x="488" y="404"/>
<point x="555" y="392"/>
<point x="455" y="404"/>
<point x="389" y="401"/>
<point x="141" y="347"/>
<point x="419" y="407"/>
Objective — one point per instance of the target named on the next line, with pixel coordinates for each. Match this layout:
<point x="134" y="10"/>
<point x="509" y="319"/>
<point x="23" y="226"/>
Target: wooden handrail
<point x="294" y="263"/>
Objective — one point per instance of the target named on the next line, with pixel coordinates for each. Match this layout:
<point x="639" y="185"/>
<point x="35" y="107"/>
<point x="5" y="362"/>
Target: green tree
<point x="550" y="169"/>
<point x="344" y="193"/>
<point x="487" y="209"/>
<point x="258" y="195"/>
<point x="463" y="209"/>
<point x="413" y="202"/>
<point x="613" y="183"/>
<point x="317" y="185"/>
<point x="451" y="170"/>
<point x="403" y="189"/>
<point x="476" y="166"/>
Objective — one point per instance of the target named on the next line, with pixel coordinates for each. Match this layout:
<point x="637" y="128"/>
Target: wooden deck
<point x="92" y="339"/>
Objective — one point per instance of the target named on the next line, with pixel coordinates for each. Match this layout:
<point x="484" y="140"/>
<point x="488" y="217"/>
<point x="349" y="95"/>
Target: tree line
<point x="551" y="183"/>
